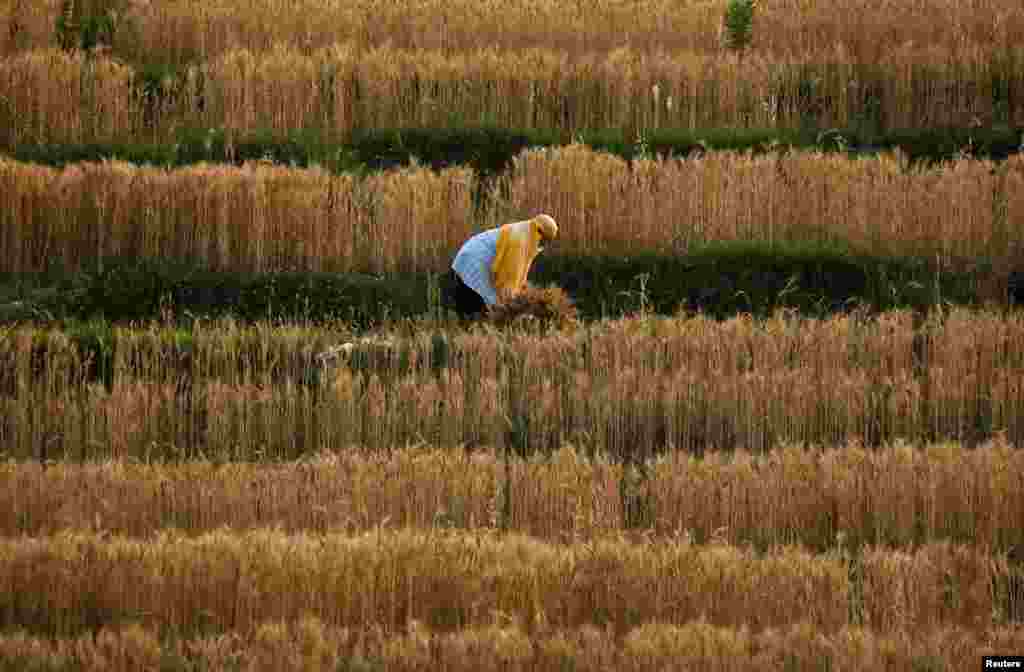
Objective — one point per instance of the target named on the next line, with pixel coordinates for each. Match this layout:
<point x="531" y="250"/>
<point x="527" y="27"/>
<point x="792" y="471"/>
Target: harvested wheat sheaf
<point x="545" y="307"/>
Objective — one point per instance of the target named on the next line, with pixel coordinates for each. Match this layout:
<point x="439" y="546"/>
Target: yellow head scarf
<point x="546" y="225"/>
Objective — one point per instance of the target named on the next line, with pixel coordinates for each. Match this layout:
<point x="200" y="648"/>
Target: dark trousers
<point x="461" y="298"/>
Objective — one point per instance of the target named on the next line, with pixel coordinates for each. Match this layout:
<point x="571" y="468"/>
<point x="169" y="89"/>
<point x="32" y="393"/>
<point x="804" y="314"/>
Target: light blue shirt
<point x="473" y="264"/>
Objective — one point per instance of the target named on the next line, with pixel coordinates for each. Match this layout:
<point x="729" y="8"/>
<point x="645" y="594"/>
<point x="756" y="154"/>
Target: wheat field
<point x="342" y="88"/>
<point x="282" y="539"/>
<point x="415" y="593"/>
<point x="865" y="31"/>
<point x="206" y="499"/>
<point x="819" y="498"/>
<point x="628" y="388"/>
<point x="262" y="217"/>
<point x="645" y="493"/>
<point x="225" y="580"/>
<point x="309" y="644"/>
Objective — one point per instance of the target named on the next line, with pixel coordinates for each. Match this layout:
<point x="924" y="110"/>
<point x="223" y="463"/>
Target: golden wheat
<point x="847" y="496"/>
<point x="52" y="96"/>
<point x="859" y="31"/>
<point x="310" y="645"/>
<point x="536" y="307"/>
<point x="234" y="580"/>
<point x="879" y="204"/>
<point x="257" y="217"/>
<point x="341" y="88"/>
<point x="626" y="388"/>
<point x="264" y="217"/>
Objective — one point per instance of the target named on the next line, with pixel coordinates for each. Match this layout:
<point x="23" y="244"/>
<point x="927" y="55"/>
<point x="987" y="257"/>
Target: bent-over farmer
<point x="493" y="264"/>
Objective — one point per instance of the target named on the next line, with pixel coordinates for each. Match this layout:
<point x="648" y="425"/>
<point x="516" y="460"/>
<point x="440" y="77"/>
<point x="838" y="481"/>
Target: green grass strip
<point x="490" y="150"/>
<point x="720" y="280"/>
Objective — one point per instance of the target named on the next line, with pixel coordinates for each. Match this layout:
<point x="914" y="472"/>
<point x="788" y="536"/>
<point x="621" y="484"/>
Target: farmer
<point x="493" y="265"/>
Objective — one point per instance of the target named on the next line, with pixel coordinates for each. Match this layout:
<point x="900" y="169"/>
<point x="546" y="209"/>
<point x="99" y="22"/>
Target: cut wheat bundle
<point x="545" y="307"/>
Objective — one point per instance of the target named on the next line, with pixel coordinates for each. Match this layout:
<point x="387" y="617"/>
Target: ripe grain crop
<point x="255" y="218"/>
<point x="310" y="645"/>
<point x="859" y="31"/>
<point x="52" y="96"/>
<point x="958" y="211"/>
<point x="340" y="88"/>
<point x="820" y="498"/>
<point x="227" y="580"/>
<point x="262" y="217"/>
<point x="629" y="388"/>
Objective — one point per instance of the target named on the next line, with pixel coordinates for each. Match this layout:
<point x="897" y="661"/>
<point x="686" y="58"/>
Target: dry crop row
<point x="55" y="96"/>
<point x="308" y="645"/>
<point x="626" y="388"/>
<point x="258" y="217"/>
<point x="820" y="498"/>
<point x="263" y="217"/>
<point x="225" y="580"/>
<point x="860" y="31"/>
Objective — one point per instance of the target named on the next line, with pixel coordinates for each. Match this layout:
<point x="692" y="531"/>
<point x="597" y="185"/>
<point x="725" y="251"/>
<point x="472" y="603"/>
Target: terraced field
<point x="262" y="217"/>
<point x="573" y="66"/>
<point x="583" y="498"/>
<point x="839" y="489"/>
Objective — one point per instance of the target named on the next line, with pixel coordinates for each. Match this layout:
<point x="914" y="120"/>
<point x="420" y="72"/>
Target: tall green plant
<point x="739" y="23"/>
<point x="87" y="24"/>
